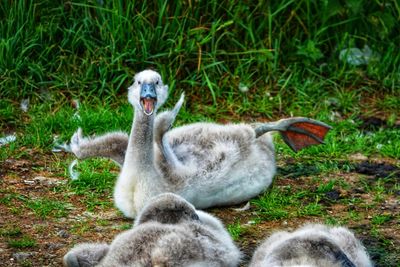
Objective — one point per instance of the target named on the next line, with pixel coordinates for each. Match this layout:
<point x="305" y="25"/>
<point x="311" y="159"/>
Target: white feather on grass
<point x="72" y="173"/>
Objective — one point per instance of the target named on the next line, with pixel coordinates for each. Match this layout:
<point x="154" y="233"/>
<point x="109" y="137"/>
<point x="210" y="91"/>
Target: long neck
<point x="140" y="154"/>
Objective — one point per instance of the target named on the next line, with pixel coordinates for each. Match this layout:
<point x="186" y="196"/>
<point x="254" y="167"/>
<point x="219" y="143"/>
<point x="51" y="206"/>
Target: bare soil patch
<point x="35" y="176"/>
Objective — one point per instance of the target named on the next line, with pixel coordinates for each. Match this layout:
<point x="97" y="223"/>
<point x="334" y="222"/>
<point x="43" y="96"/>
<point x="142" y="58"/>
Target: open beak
<point x="148" y="98"/>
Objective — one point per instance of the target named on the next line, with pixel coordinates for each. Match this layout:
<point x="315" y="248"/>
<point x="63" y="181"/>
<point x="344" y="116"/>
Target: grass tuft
<point x="23" y="242"/>
<point x="235" y="230"/>
<point x="44" y="208"/>
<point x="51" y="48"/>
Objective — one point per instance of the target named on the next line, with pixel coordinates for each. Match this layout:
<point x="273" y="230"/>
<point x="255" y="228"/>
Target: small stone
<point x="358" y="156"/>
<point x="47" y="181"/>
<point x="21" y="256"/>
<point x="88" y="214"/>
<point x="50" y="256"/>
<point x="107" y="215"/>
<point x="63" y="234"/>
<point x="29" y="182"/>
<point x="332" y="195"/>
<point x="54" y="246"/>
<point x="359" y="190"/>
<point x="62" y="220"/>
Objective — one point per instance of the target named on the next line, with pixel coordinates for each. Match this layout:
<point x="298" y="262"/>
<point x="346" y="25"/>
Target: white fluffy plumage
<point x="167" y="232"/>
<point x="312" y="245"/>
<point x="206" y="163"/>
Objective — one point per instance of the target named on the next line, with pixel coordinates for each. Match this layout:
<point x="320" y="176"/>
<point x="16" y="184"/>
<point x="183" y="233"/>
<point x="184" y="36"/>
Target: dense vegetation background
<point x="207" y="48"/>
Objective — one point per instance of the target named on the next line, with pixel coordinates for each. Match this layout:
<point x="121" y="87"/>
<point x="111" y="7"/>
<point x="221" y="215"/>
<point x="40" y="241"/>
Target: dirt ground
<point x="34" y="176"/>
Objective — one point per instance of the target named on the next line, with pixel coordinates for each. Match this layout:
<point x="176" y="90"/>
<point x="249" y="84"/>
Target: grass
<point x="284" y="202"/>
<point x="345" y="138"/>
<point x="380" y="219"/>
<point x="47" y="207"/>
<point x="212" y="48"/>
<point x="235" y="230"/>
<point x="96" y="186"/>
<point x="41" y="207"/>
<point x="16" y="239"/>
<point x="10" y="231"/>
<point x="235" y="62"/>
<point x="91" y="180"/>
<point x="22" y="242"/>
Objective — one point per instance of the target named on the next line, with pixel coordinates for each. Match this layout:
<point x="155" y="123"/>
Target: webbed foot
<point x="298" y="132"/>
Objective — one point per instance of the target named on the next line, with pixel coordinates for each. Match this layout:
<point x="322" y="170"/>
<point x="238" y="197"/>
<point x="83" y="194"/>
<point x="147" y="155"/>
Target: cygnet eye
<point x="139" y="82"/>
<point x="157" y="82"/>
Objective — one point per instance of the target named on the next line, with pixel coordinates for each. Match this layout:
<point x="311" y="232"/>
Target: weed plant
<point x="210" y="49"/>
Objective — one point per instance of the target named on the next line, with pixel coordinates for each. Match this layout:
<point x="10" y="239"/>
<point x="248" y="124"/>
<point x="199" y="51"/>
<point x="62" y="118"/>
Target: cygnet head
<point x="167" y="208"/>
<point x="147" y="93"/>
